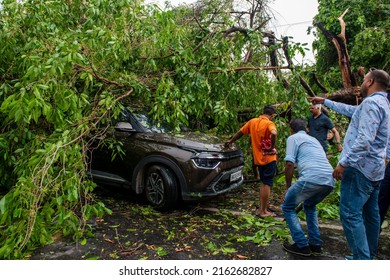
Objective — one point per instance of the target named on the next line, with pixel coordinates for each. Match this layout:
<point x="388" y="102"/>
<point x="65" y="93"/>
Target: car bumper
<point x="224" y="182"/>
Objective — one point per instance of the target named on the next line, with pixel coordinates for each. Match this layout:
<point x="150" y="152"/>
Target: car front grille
<point x="222" y="183"/>
<point x="219" y="187"/>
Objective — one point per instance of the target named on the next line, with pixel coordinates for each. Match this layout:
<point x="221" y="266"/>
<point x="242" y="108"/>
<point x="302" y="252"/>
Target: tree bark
<point x="340" y="43"/>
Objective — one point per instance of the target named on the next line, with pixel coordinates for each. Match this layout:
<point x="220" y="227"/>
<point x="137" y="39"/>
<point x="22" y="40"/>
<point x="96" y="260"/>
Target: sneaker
<point x="316" y="250"/>
<point x="293" y="249"/>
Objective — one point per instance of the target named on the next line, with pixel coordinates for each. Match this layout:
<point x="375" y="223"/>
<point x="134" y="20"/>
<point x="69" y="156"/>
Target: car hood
<point x="196" y="141"/>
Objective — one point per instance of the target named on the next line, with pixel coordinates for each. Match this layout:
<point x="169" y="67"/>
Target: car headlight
<point x="206" y="161"/>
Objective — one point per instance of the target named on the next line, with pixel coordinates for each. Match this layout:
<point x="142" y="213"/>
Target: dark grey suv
<point x="166" y="166"/>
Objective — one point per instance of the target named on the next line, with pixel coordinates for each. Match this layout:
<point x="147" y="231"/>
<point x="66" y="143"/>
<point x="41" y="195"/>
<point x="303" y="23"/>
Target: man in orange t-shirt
<point x="263" y="138"/>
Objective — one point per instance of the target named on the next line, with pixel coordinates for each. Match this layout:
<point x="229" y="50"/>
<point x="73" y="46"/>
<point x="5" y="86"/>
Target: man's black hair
<point x="269" y="110"/>
<point x="298" y="125"/>
<point x="381" y="77"/>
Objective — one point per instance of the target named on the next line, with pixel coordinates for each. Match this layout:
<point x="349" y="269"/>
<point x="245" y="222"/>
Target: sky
<point x="293" y="17"/>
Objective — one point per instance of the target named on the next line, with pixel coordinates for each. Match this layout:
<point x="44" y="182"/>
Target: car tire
<point x="161" y="187"/>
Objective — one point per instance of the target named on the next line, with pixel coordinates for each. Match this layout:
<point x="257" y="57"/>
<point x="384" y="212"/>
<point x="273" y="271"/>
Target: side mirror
<point x="124" y="126"/>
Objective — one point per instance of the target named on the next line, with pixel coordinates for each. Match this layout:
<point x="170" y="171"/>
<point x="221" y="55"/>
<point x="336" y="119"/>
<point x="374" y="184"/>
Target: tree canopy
<point x="66" y="65"/>
<point x="66" y="68"/>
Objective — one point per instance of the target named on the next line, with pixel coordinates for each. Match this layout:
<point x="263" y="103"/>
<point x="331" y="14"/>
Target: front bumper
<point x="224" y="182"/>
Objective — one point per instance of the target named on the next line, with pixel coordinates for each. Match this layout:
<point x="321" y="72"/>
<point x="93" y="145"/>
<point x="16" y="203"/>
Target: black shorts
<point x="267" y="173"/>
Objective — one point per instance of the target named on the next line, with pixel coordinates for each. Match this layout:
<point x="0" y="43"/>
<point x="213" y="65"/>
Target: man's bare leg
<point x="265" y="192"/>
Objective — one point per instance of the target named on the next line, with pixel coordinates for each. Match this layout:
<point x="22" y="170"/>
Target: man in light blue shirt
<point x="361" y="165"/>
<point x="315" y="182"/>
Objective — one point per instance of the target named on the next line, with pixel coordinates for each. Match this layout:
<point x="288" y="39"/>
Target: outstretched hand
<point x="317" y="100"/>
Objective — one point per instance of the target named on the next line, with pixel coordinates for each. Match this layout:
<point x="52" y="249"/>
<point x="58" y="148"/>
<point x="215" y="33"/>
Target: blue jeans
<point x="359" y="213"/>
<point x="310" y="194"/>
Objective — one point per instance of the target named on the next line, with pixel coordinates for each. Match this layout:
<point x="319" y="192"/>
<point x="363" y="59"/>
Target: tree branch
<point x="318" y="83"/>
<point x="97" y="76"/>
<point x="236" y="29"/>
<point x="340" y="43"/>
<point x="250" y="68"/>
<point x="99" y="119"/>
<point x="342" y="24"/>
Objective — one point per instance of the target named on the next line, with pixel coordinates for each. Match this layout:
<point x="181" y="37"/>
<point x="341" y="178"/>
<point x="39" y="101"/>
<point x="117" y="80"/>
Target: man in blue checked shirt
<point x="361" y="165"/>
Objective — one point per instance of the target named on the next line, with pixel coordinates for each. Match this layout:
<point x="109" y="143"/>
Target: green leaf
<point x="2" y="205"/>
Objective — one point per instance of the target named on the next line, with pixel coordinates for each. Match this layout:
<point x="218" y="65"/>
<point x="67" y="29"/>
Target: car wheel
<point x="161" y="187"/>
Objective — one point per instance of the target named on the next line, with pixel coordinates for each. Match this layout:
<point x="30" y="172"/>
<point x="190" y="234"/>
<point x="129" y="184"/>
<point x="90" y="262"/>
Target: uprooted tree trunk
<point x="350" y="94"/>
<point x="340" y="43"/>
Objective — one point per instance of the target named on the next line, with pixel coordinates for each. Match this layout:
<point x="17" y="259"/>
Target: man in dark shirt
<point x="319" y="124"/>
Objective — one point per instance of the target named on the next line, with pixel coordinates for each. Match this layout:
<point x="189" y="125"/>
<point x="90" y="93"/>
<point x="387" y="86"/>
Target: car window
<point x="149" y="124"/>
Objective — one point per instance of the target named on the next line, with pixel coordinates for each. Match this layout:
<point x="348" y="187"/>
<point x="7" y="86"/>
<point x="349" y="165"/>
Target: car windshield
<point x="149" y="124"/>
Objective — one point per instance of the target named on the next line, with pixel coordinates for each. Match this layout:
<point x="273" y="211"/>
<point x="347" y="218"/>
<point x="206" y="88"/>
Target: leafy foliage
<point x="67" y="66"/>
<point x="367" y="22"/>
